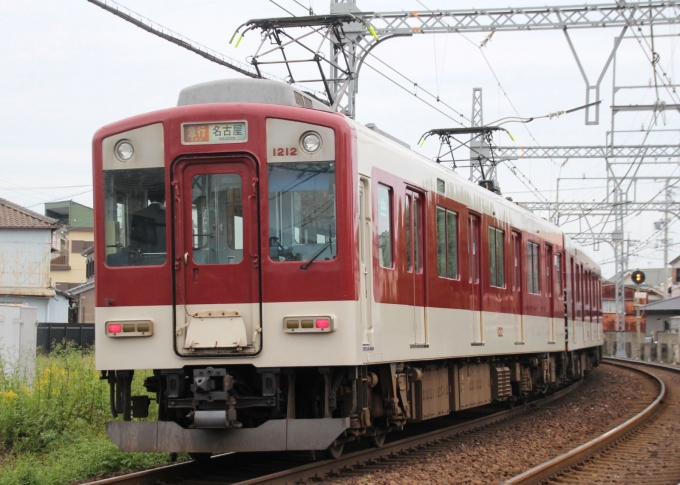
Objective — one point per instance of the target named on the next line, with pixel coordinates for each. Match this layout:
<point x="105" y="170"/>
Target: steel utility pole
<point x="617" y="243"/>
<point x="481" y="165"/>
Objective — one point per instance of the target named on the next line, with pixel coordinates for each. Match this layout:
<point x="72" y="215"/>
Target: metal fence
<point x="51" y="334"/>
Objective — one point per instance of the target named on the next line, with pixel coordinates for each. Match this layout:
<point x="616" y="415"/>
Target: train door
<point x="216" y="255"/>
<point x="413" y="223"/>
<point x="365" y="262"/>
<point x="550" y="290"/>
<point x="474" y="262"/>
<point x="517" y="303"/>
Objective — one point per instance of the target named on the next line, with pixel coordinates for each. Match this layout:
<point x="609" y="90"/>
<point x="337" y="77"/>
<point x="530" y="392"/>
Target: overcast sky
<point x="69" y="67"/>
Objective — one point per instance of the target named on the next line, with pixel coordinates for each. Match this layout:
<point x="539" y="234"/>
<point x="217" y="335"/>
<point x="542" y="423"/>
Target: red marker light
<point x="114" y="328"/>
<point x="322" y="323"/>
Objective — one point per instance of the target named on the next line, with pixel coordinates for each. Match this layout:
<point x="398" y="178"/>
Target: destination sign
<point x="206" y="133"/>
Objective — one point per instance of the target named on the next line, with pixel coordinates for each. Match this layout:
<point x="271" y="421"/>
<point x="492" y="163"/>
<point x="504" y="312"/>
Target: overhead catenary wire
<point x="669" y="89"/>
<point x="416" y="87"/>
<point x="513" y="168"/>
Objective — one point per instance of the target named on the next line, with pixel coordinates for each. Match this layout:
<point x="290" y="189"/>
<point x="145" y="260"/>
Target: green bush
<point x="52" y="423"/>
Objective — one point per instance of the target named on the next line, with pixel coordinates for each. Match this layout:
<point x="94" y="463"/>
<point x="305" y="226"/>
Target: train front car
<point x="227" y="262"/>
<point x="296" y="280"/>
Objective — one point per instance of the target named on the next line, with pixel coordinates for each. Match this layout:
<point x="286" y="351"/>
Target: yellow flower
<point x="9" y="397"/>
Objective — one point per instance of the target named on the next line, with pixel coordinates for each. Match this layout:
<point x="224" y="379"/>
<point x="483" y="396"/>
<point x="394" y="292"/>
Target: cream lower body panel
<point x="450" y="333"/>
<point x="454" y="333"/>
<point x="584" y="335"/>
<point x="279" y="349"/>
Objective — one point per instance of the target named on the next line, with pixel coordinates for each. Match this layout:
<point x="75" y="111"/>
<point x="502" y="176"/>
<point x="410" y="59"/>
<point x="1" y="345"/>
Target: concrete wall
<point x="18" y="337"/>
<point x="665" y="349"/>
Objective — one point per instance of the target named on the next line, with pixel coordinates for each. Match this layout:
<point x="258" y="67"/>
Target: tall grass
<point x="52" y="422"/>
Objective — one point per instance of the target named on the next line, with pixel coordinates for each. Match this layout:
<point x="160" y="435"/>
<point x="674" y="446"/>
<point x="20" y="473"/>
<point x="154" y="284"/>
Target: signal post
<point x="638" y="278"/>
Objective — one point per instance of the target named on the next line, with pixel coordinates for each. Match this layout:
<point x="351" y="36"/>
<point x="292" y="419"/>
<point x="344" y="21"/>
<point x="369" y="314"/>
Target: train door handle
<point x="186" y="258"/>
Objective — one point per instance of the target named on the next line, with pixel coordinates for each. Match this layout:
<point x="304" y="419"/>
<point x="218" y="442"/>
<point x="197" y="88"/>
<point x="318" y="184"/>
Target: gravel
<point x="607" y="398"/>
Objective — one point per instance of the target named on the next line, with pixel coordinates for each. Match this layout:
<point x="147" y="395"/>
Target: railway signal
<point x="638" y="277"/>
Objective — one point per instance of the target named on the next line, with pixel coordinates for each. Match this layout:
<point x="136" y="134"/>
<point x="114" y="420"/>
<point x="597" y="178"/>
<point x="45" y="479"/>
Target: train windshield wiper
<point x="317" y="254"/>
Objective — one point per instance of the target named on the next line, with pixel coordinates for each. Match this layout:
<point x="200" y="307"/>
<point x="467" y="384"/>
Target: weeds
<point x="52" y="423"/>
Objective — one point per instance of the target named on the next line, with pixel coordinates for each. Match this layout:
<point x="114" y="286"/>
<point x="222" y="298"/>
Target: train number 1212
<point x="284" y="152"/>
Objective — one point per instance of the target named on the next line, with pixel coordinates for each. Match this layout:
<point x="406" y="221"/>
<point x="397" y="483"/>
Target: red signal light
<point x="322" y="323"/>
<point x="114" y="328"/>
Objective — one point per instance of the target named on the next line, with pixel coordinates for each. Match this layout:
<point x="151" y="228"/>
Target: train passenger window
<point x="302" y="211"/>
<point x="558" y="269"/>
<point x="385" y="226"/>
<point x="496" y="259"/>
<point x="135" y="225"/>
<point x="447" y="243"/>
<point x="533" y="268"/>
<point x="217" y="219"/>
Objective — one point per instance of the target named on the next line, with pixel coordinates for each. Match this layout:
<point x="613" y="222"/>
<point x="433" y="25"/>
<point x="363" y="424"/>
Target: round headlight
<point x="310" y="142"/>
<point x="124" y="150"/>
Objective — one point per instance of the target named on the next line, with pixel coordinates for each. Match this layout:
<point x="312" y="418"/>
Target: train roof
<point x="261" y="91"/>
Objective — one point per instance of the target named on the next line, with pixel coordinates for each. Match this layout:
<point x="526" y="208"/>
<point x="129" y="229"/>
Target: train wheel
<point x="334" y="451"/>
<point x="201" y="457"/>
<point x="378" y="440"/>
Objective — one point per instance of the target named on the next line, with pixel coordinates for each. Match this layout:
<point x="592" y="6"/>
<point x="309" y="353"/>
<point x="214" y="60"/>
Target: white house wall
<point x="25" y="261"/>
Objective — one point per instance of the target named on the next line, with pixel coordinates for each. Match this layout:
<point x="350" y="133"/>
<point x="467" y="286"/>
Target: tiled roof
<point x="13" y="216"/>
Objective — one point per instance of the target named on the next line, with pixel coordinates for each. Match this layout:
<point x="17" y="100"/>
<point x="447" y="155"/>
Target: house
<point x="609" y="309"/>
<point x="83" y="295"/>
<point x="674" y="286"/>
<point x="26" y="249"/>
<point x="77" y="234"/>
<point x="663" y="316"/>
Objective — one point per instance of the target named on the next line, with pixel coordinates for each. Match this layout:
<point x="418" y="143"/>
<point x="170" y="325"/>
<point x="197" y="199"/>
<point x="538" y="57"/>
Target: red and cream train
<point x="296" y="280"/>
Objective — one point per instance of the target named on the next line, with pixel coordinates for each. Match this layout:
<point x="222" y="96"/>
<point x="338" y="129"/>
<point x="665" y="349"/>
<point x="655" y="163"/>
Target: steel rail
<point x="577" y="455"/>
<point x="350" y="460"/>
<point x="357" y="458"/>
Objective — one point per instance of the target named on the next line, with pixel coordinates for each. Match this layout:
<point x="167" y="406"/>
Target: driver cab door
<point x="217" y="261"/>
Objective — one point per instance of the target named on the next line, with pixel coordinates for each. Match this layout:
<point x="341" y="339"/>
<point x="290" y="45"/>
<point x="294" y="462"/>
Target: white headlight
<point x="310" y="142"/>
<point x="124" y="150"/>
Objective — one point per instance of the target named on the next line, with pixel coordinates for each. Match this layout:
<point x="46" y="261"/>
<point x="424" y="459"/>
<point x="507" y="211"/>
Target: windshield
<point x="301" y="211"/>
<point x="135" y="227"/>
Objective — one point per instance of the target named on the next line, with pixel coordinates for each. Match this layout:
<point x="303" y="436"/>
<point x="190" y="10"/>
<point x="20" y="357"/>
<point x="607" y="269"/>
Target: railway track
<point x="595" y="459"/>
<point x="282" y="468"/>
<point x="643" y="450"/>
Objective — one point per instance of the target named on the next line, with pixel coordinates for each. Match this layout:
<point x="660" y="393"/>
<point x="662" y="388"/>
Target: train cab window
<point x="447" y="243"/>
<point x="496" y="260"/>
<point x="385" y="226"/>
<point x="533" y="268"/>
<point x="135" y="225"/>
<point x="217" y="219"/>
<point x="558" y="270"/>
<point x="302" y="211"/>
